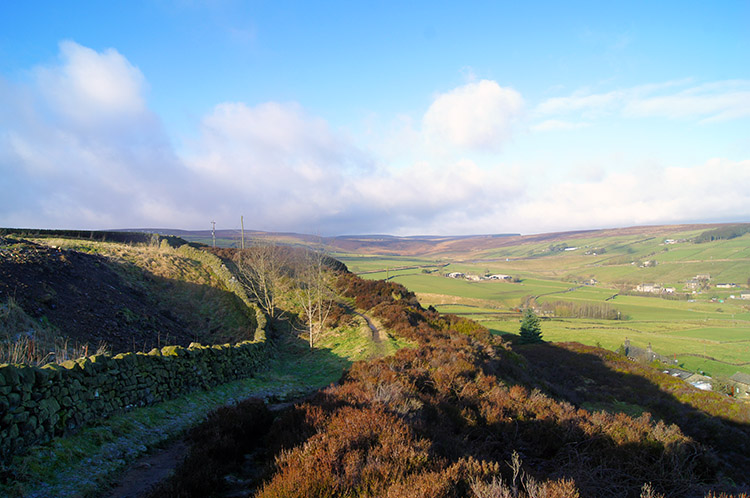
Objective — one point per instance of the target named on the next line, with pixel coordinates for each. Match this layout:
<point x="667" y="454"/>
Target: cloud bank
<point x="80" y="148"/>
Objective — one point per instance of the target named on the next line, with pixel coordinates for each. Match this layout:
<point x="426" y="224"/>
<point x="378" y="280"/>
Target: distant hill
<point x="459" y="245"/>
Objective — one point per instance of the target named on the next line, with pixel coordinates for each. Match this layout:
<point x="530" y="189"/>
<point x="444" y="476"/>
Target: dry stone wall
<point x="37" y="404"/>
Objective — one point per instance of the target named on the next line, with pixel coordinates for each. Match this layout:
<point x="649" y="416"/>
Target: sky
<point x="363" y="117"/>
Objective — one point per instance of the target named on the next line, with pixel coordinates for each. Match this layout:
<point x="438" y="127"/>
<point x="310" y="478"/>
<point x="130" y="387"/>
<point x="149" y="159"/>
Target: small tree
<point x="531" y="330"/>
<point x="262" y="268"/>
<point x="314" y="293"/>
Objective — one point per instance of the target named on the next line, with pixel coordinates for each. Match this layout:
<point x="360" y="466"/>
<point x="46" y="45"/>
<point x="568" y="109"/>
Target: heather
<point x="465" y="414"/>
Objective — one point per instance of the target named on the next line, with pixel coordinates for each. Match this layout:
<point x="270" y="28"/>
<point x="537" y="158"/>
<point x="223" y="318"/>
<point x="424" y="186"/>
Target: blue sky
<point x="374" y="117"/>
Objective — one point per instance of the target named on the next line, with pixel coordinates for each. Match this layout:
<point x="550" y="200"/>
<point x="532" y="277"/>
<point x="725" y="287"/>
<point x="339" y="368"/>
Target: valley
<point x="417" y="384"/>
<point x="705" y="329"/>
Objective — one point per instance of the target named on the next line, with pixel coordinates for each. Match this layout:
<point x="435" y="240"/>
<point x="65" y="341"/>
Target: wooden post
<point x="242" y="227"/>
<point x="213" y="232"/>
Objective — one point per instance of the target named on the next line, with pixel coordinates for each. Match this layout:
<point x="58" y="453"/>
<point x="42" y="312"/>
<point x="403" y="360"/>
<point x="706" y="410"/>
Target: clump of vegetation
<point x="26" y="340"/>
<point x="723" y="233"/>
<point x="570" y="309"/>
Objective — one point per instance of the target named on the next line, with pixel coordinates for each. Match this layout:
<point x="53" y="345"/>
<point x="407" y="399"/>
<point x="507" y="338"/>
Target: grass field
<point x="703" y="333"/>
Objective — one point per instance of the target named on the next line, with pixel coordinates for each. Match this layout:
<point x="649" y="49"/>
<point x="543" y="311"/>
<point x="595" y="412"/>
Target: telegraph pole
<point x="242" y="226"/>
<point x="213" y="232"/>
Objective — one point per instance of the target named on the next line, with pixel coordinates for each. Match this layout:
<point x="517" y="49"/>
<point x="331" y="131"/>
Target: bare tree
<point x="262" y="269"/>
<point x="314" y="293"/>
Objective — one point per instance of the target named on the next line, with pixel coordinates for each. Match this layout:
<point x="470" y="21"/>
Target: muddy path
<point x="149" y="470"/>
<point x="376" y="335"/>
<point x="158" y="465"/>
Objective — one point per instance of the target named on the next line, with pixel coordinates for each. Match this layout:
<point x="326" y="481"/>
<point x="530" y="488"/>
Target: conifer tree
<point x="531" y="330"/>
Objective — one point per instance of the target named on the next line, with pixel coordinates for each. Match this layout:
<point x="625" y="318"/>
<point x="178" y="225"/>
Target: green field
<point x="710" y="332"/>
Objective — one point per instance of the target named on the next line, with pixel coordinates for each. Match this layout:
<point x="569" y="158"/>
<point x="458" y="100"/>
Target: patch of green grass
<point x="630" y="409"/>
<point x="356" y="343"/>
<point x="717" y="334"/>
<point x="710" y="367"/>
<point x="361" y="263"/>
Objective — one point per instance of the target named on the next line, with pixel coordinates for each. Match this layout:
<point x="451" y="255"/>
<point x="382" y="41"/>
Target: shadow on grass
<point x="293" y="358"/>
<point x="591" y="377"/>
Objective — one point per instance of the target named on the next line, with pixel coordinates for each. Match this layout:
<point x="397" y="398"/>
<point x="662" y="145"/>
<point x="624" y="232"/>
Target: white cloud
<point x="557" y="125"/>
<point x="100" y="159"/>
<point x="80" y="148"/>
<point x="474" y="116"/>
<point x="591" y="104"/>
<point x="715" y="101"/>
<point x="89" y="86"/>
<point x="287" y="170"/>
<point x="279" y="162"/>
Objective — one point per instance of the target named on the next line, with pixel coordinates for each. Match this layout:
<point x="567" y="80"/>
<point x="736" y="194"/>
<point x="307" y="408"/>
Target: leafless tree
<point x="262" y="268"/>
<point x="315" y="294"/>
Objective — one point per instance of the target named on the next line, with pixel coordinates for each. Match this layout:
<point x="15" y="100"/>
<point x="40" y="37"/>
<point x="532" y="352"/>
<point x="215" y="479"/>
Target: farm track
<point x="157" y="466"/>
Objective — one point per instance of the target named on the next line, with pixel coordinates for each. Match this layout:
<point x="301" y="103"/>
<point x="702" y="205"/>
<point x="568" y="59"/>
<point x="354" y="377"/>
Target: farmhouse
<point x="725" y="286"/>
<point x="636" y="353"/>
<point x="653" y="288"/>
<point x="669" y="290"/>
<point x="456" y="274"/>
<point x="645" y="355"/>
<point x="741" y="383"/>
<point x="499" y="277"/>
<point x="744" y="295"/>
<point x="693" y="284"/>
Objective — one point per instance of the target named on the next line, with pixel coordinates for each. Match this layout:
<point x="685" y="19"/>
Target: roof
<point x="697" y="378"/>
<point x="676" y="372"/>
<point x="741" y="377"/>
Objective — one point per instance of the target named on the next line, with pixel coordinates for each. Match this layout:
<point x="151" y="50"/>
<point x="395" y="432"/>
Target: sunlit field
<point x="706" y="331"/>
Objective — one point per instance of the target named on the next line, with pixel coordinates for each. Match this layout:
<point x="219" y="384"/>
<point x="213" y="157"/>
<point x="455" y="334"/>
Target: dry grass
<point x="28" y="341"/>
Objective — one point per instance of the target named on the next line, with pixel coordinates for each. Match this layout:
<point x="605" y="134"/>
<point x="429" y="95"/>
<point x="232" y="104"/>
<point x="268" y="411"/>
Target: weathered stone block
<point x="9" y="375"/>
<point x="14" y="399"/>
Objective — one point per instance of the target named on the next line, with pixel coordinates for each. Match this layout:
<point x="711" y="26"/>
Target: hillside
<point x="465" y="414"/>
<point x="459" y="247"/>
<point x="72" y="296"/>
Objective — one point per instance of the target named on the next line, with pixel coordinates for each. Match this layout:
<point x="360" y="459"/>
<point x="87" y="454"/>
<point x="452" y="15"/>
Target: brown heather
<point x="466" y="415"/>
